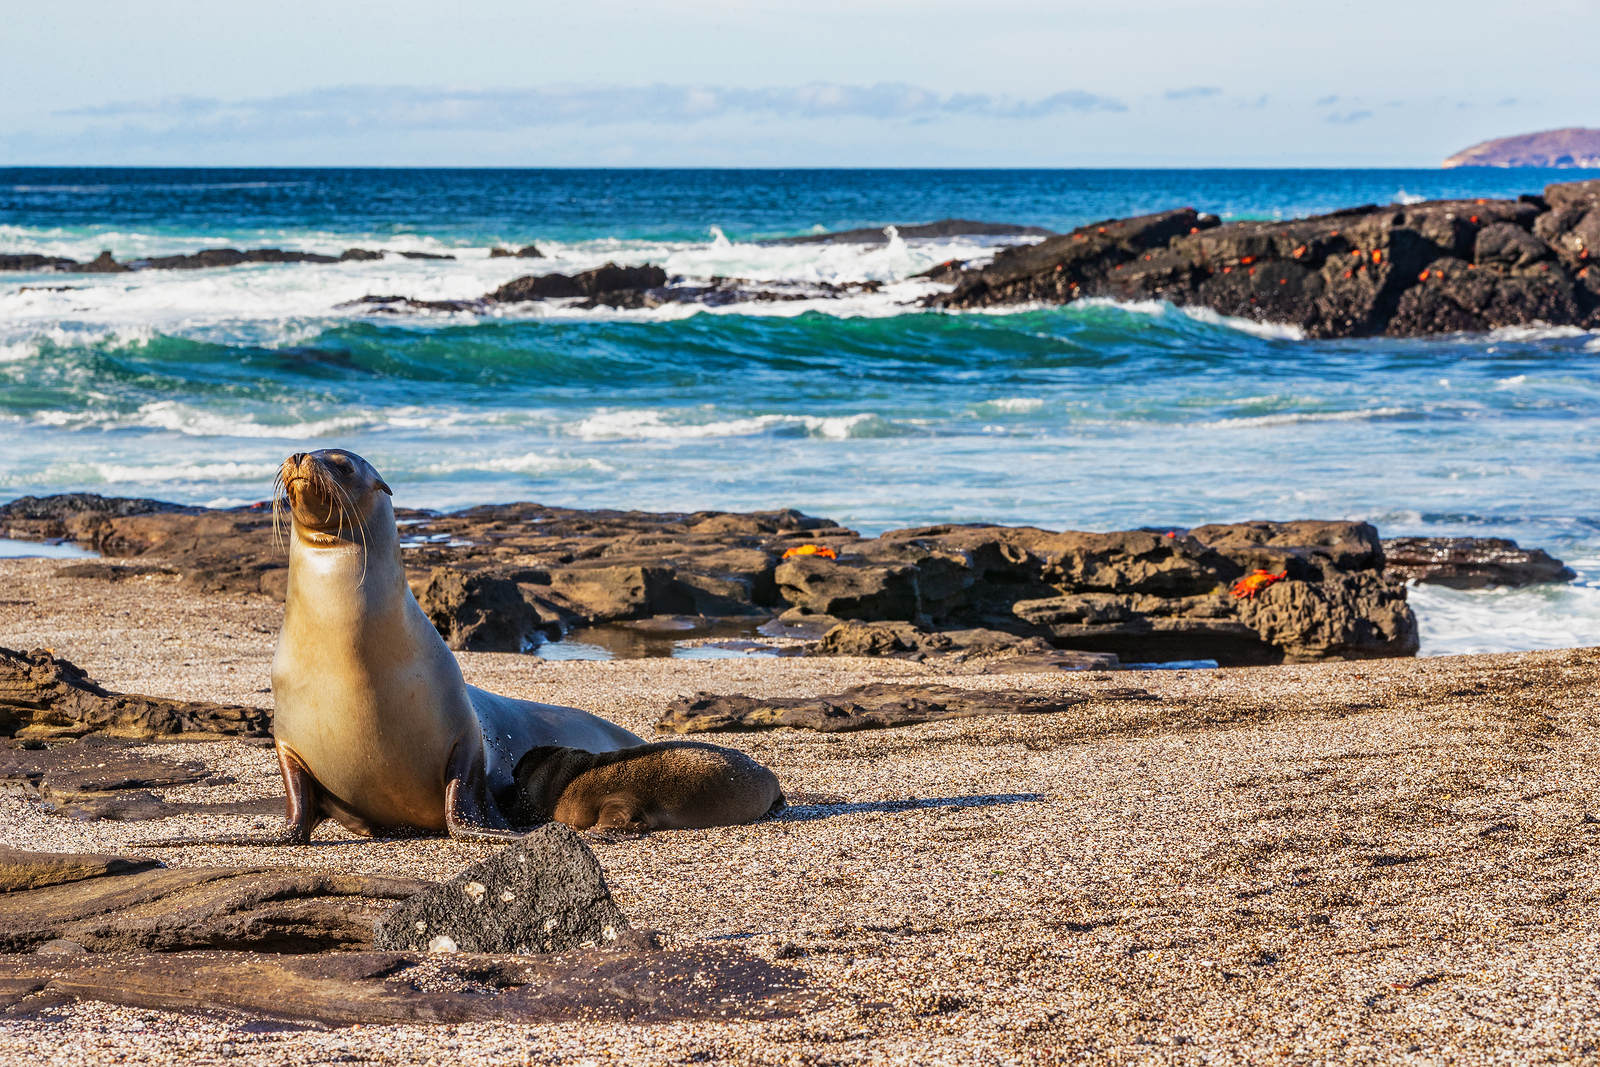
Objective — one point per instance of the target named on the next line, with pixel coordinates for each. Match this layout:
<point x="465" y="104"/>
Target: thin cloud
<point x="1194" y="92"/>
<point x="356" y="109"/>
<point x="1346" y="118"/>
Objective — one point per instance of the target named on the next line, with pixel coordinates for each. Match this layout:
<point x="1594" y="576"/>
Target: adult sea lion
<point x="668" y="785"/>
<point x="375" y="726"/>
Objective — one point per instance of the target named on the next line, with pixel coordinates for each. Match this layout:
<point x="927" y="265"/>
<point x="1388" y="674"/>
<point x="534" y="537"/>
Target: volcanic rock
<point x="101" y="264"/>
<point x="227" y="257"/>
<point x="1146" y="596"/>
<point x="21" y="870"/>
<point x="865" y="707"/>
<point x="591" y="283"/>
<point x="1471" y="562"/>
<point x="483" y="612"/>
<point x="1433" y="267"/>
<point x="43" y="696"/>
<point x="637" y="984"/>
<point x="128" y="904"/>
<point x="525" y="252"/>
<point x="545" y="893"/>
<point x="31" y="262"/>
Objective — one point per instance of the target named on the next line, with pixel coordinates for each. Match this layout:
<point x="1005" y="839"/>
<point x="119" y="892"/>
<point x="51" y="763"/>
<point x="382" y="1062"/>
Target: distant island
<point x="1573" y="147"/>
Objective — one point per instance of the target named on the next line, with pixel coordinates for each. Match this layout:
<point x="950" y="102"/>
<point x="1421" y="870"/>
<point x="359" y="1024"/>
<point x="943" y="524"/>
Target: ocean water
<point x="192" y="385"/>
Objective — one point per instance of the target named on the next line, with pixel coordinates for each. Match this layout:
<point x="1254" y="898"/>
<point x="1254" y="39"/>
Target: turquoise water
<point x="192" y="385"/>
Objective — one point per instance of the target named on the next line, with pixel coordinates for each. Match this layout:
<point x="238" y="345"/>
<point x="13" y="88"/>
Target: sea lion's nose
<point x="297" y="458"/>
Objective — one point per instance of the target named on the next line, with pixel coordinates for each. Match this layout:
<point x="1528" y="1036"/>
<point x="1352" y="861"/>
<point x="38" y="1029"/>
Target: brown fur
<point x="668" y="785"/>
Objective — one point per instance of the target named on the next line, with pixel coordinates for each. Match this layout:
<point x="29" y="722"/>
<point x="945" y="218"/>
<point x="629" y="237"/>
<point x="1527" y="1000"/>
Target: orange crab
<point x="1252" y="583"/>
<point x="811" y="550"/>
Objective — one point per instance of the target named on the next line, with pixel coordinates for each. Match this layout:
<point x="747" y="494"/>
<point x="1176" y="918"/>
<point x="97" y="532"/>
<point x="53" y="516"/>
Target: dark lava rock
<point x="1471" y="562"/>
<point x="43" y="696"/>
<point x="484" y="612"/>
<point x="638" y="984"/>
<point x="21" y="870"/>
<point x="591" y="283"/>
<point x="396" y="305"/>
<point x="1141" y="595"/>
<point x="228" y="257"/>
<point x="32" y="262"/>
<point x="107" y="777"/>
<point x="359" y="255"/>
<point x="111" y="572"/>
<point x="1438" y="266"/>
<point x="63" y="506"/>
<point x="525" y="252"/>
<point x="877" y="235"/>
<point x="543" y="894"/>
<point x="426" y="255"/>
<point x="865" y="707"/>
<point x="127" y="904"/>
<point x="101" y="264"/>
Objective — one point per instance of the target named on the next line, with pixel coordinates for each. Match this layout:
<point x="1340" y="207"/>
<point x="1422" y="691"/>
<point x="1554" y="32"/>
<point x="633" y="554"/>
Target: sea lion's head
<point x="330" y="494"/>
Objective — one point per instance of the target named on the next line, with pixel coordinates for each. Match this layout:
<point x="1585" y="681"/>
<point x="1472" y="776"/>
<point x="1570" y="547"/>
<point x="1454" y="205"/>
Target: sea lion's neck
<point x="543" y="774"/>
<point x="359" y="575"/>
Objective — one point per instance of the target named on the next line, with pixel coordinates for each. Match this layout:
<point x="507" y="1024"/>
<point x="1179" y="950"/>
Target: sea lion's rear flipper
<point x="303" y="814"/>
<point x="470" y="813"/>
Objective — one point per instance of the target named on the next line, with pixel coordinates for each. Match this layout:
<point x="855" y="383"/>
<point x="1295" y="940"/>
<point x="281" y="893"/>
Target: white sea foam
<point x="1275" y="331"/>
<point x="282" y="303"/>
<point x="1289" y="418"/>
<point x="185" y="472"/>
<point x="654" y="424"/>
<point x="1454" y="621"/>
<point x="1014" y="404"/>
<point x="528" y="463"/>
<point x="1537" y="331"/>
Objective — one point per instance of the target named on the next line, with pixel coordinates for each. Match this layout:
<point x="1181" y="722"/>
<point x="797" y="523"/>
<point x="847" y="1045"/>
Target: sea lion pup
<point x="668" y="785"/>
<point x="375" y="726"/>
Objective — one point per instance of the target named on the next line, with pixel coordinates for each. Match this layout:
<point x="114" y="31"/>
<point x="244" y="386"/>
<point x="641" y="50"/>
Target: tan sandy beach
<point x="1374" y="862"/>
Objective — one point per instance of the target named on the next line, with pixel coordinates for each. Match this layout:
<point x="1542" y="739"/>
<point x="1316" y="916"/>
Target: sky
<point x="728" y="83"/>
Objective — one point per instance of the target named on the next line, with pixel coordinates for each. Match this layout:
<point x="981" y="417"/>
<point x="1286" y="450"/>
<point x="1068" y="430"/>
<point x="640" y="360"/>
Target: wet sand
<point x="1378" y="862"/>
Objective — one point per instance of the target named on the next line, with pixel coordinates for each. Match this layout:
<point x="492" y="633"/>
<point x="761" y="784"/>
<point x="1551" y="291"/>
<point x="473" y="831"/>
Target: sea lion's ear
<point x="381" y="484"/>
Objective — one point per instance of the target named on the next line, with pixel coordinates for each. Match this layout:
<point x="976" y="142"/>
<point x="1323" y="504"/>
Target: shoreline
<point x="1382" y="858"/>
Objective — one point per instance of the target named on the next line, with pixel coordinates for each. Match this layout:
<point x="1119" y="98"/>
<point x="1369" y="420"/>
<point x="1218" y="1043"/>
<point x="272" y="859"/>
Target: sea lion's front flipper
<point x="470" y="813"/>
<point x="301" y="817"/>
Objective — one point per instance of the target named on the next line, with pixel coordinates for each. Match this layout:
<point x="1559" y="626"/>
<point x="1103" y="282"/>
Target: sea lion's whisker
<point x="359" y="529"/>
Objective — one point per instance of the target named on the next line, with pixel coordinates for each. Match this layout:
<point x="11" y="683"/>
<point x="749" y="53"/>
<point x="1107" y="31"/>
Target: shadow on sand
<point x="811" y="812"/>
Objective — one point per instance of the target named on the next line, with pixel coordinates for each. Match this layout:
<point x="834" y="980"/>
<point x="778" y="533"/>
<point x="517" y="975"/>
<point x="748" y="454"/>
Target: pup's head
<point x="328" y="493"/>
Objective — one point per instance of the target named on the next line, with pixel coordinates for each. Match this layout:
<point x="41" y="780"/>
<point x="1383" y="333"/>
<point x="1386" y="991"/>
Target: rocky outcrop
<point x="43" y="696"/>
<point x="545" y="893"/>
<point x="214" y="550"/>
<point x="591" y="283"/>
<point x="1144" y="596"/>
<point x="634" y="984"/>
<point x="1439" y="266"/>
<point x="879" y="235"/>
<point x="502" y="577"/>
<point x="122" y="904"/>
<point x="525" y="252"/>
<point x="866" y="707"/>
<point x="1571" y="147"/>
<point x="103" y="776"/>
<point x="1471" y="562"/>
